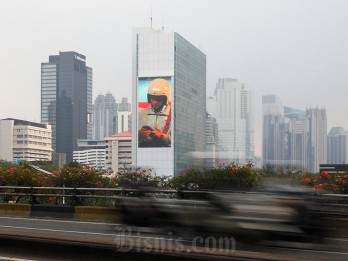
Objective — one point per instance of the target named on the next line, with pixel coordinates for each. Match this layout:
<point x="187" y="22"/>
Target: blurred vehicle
<point x="271" y="212"/>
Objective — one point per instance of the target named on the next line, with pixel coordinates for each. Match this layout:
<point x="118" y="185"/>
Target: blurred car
<point x="270" y="212"/>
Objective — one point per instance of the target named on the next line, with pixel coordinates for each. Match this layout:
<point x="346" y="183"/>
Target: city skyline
<point x="275" y="47"/>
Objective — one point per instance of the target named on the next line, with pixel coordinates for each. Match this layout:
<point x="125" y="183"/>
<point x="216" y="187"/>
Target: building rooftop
<point x="26" y="123"/>
<point x="121" y="135"/>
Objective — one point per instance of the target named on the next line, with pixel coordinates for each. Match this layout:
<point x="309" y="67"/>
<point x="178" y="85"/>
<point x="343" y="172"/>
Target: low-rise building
<point x="119" y="152"/>
<point x="25" y="140"/>
<point x="90" y="152"/>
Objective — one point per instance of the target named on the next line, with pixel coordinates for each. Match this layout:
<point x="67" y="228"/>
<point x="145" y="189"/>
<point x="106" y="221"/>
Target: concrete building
<point x="234" y="115"/>
<point x="337" y="146"/>
<point x="25" y="140"/>
<point x="169" y="57"/>
<point x="119" y="152"/>
<point x="66" y="100"/>
<point x="91" y="152"/>
<point x="104" y="113"/>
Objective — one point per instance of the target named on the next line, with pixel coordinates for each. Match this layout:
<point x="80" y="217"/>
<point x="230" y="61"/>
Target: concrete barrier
<point x="103" y="214"/>
<point x="106" y="214"/>
<point x="341" y="225"/>
<point x="52" y="211"/>
<point x="81" y="213"/>
<point x="15" y="210"/>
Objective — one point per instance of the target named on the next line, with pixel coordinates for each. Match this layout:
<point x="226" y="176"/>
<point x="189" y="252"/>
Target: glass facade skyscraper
<point x="49" y="82"/>
<point x="174" y="60"/>
<point x="272" y="130"/>
<point x="337" y="146"/>
<point x="66" y="100"/>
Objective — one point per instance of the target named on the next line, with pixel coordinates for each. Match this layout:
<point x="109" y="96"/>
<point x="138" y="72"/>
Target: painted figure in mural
<point x="154" y="121"/>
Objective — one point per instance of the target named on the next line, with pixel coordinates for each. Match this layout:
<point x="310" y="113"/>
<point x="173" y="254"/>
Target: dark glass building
<point x="66" y="100"/>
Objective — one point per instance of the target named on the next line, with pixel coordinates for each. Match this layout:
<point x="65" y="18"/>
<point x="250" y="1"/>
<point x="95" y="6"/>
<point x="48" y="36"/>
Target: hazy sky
<point x="296" y="49"/>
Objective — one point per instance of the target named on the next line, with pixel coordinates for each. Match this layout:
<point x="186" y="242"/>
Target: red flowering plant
<point x="137" y="178"/>
<point x="307" y="179"/>
<point x="330" y="182"/>
<point x="77" y="176"/>
<point x="225" y="176"/>
<point x="19" y="176"/>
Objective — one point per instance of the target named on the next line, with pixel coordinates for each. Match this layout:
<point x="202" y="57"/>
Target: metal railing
<point x="108" y="196"/>
<point x="78" y="196"/>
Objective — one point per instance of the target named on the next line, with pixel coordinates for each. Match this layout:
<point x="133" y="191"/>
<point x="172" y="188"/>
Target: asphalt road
<point x="46" y="239"/>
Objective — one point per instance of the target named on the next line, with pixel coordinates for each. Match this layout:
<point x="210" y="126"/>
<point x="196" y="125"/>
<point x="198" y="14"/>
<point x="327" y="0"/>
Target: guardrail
<point x="76" y="196"/>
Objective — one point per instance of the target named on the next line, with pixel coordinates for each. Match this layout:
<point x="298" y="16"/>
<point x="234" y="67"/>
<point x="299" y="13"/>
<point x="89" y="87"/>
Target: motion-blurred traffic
<point x="286" y="212"/>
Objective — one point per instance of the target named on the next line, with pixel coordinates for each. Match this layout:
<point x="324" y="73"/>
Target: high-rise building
<point x="337" y="146"/>
<point x="233" y="112"/>
<point x="285" y="135"/>
<point x="167" y="65"/>
<point x="25" y="140"/>
<point x="296" y="138"/>
<point x="124" y="105"/>
<point x="123" y="117"/>
<point x="104" y="113"/>
<point x="317" y="138"/>
<point x="273" y="152"/>
<point x="66" y="100"/>
<point x="123" y="121"/>
<point x="212" y="142"/>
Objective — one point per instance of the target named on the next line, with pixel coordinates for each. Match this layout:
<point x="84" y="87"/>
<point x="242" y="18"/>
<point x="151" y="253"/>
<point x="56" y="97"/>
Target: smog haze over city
<point x="296" y="49"/>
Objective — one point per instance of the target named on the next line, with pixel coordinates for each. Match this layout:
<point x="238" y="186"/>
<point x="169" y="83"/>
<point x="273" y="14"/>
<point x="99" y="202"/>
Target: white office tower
<point x="337" y="146"/>
<point x="104" y="113"/>
<point x="317" y="138"/>
<point x="180" y="68"/>
<point x="123" y="118"/>
<point x="25" y="140"/>
<point x="233" y="112"/>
